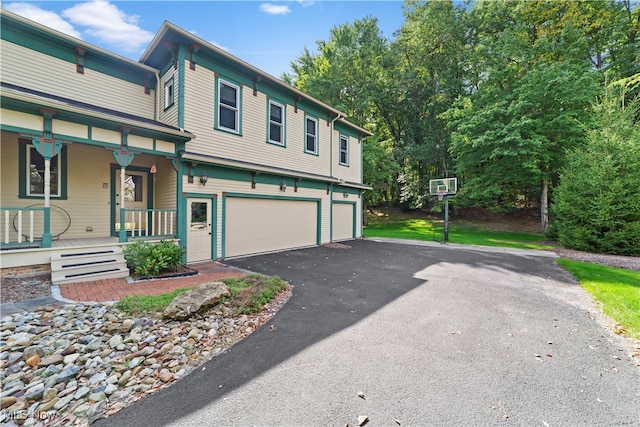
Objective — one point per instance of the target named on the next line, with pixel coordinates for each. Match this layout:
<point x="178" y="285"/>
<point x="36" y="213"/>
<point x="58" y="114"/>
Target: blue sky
<point x="266" y="34"/>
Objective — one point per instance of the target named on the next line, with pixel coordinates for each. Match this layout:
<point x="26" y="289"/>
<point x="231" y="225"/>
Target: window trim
<point x="317" y="135"/>
<point x="238" y="109"/>
<point x="283" y="142"/>
<point x="23" y="184"/>
<point x="345" y="151"/>
<point x="169" y="99"/>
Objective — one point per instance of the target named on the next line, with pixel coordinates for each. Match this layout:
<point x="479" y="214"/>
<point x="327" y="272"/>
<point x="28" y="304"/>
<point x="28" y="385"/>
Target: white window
<point x="228" y="106"/>
<point x="168" y="93"/>
<point x="35" y="175"/>
<point x="276" y="123"/>
<point x="311" y="133"/>
<point x="344" y="150"/>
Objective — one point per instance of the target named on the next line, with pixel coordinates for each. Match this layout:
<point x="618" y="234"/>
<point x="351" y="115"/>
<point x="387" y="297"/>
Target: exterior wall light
<point x="283" y="186"/>
<point x="203" y="179"/>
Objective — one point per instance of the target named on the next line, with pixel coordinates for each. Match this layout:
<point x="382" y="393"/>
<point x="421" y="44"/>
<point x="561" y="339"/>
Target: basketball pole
<point x="446" y="218"/>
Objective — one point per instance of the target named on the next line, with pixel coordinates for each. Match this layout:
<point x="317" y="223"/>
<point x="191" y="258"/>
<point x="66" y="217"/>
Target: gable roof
<point x="156" y="56"/>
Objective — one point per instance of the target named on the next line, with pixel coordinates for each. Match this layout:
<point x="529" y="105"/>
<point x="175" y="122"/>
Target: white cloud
<point x="110" y="25"/>
<point x="274" y="9"/>
<point x="44" y="17"/>
<point x="306" y="3"/>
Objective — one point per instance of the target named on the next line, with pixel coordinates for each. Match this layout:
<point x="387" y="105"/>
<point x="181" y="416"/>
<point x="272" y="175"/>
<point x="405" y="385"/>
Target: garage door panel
<point x="343" y="221"/>
<point x="263" y="225"/>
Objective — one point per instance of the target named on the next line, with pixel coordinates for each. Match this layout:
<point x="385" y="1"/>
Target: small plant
<point x="250" y="293"/>
<point x="150" y="259"/>
<point x="138" y="304"/>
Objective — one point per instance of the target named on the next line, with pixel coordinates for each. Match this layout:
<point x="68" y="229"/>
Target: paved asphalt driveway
<point x="431" y="334"/>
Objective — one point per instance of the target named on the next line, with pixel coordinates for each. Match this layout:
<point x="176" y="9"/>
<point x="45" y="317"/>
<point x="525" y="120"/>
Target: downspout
<point x="157" y="109"/>
<point x="333" y="121"/>
<point x="338" y="116"/>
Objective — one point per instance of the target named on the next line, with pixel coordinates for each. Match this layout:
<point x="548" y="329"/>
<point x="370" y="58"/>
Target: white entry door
<point x="199" y="230"/>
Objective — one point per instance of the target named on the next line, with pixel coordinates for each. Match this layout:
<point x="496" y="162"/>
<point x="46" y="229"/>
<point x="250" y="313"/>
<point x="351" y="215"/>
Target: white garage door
<point x="264" y="225"/>
<point x="343" y="222"/>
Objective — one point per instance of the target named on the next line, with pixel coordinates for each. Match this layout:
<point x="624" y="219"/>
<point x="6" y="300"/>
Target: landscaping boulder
<point x="196" y="301"/>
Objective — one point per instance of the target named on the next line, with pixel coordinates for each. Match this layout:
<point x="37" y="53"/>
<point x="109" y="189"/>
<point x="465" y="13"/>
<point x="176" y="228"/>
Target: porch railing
<point x="147" y="223"/>
<point x="24" y="227"/>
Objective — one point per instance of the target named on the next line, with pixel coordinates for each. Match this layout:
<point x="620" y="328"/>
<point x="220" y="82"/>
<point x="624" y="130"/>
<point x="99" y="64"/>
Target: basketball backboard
<point x="443" y="186"/>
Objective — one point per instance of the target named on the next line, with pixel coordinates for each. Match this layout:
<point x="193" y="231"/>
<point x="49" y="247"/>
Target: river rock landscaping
<point x="75" y="363"/>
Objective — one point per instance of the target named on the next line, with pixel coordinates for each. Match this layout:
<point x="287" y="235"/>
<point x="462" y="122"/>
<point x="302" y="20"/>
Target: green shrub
<point x="149" y="259"/>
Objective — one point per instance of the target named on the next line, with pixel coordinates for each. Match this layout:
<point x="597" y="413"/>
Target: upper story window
<point x="168" y="93"/>
<point x="228" y="106"/>
<point x="344" y="150"/>
<point x="311" y="135"/>
<point x="276" y="123"/>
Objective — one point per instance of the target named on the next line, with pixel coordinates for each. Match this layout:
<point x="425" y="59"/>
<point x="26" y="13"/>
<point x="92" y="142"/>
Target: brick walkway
<point x="115" y="289"/>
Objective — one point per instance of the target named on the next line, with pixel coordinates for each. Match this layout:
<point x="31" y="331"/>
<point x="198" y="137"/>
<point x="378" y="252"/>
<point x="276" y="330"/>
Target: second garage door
<point x="343" y="221"/>
<point x="264" y="225"/>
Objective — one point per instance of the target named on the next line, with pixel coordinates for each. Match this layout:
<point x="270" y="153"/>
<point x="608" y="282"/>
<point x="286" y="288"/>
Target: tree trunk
<point x="544" y="206"/>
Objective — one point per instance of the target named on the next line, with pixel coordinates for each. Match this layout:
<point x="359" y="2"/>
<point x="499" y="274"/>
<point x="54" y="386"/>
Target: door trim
<point x="113" y="176"/>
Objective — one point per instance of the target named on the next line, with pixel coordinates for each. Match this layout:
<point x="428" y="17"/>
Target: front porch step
<point x="86" y="264"/>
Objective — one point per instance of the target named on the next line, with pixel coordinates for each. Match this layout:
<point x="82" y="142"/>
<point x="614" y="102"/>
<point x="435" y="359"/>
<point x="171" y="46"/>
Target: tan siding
<point x="349" y="173"/>
<point x="170" y="115"/>
<point x="27" y="68"/>
<point x="165" y="184"/>
<point x="252" y="145"/>
<point x="22" y="120"/>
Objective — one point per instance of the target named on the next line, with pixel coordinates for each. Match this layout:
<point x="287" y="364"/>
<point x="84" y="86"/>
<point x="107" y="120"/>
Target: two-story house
<point x="190" y="143"/>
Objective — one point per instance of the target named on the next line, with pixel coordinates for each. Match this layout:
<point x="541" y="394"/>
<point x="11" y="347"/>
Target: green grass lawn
<point x="617" y="289"/>
<point x="432" y="230"/>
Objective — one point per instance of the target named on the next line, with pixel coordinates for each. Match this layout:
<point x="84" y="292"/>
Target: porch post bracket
<point x="46" y="148"/>
<point x="123" y="157"/>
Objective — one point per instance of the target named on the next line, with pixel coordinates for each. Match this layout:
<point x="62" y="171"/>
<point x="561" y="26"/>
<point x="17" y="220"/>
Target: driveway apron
<point x="429" y="334"/>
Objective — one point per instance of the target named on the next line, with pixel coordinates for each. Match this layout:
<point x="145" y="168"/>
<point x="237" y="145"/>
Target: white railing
<point x="158" y="223"/>
<point x="22" y="226"/>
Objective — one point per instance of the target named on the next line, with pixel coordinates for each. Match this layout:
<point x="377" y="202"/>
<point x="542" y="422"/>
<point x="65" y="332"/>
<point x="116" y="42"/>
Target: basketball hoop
<point x="441" y="194"/>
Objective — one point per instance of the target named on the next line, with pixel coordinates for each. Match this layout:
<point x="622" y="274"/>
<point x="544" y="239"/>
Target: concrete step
<point x="83" y="265"/>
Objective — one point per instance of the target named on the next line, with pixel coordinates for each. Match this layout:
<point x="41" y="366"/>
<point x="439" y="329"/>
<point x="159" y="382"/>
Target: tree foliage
<point x="597" y="203"/>
<point x="495" y="92"/>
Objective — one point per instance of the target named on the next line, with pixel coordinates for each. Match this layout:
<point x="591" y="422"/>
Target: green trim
<point x="22" y="173"/>
<point x="238" y="87"/>
<point x="109" y="124"/>
<point x="214" y="220"/>
<point x="306" y="118"/>
<point x="282" y="144"/>
<point x="348" y="190"/>
<point x="181" y="210"/>
<point x="171" y="102"/>
<point x="354" y="216"/>
<point x="269" y="197"/>
<point x="51" y="45"/>
<point x="182" y="56"/>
